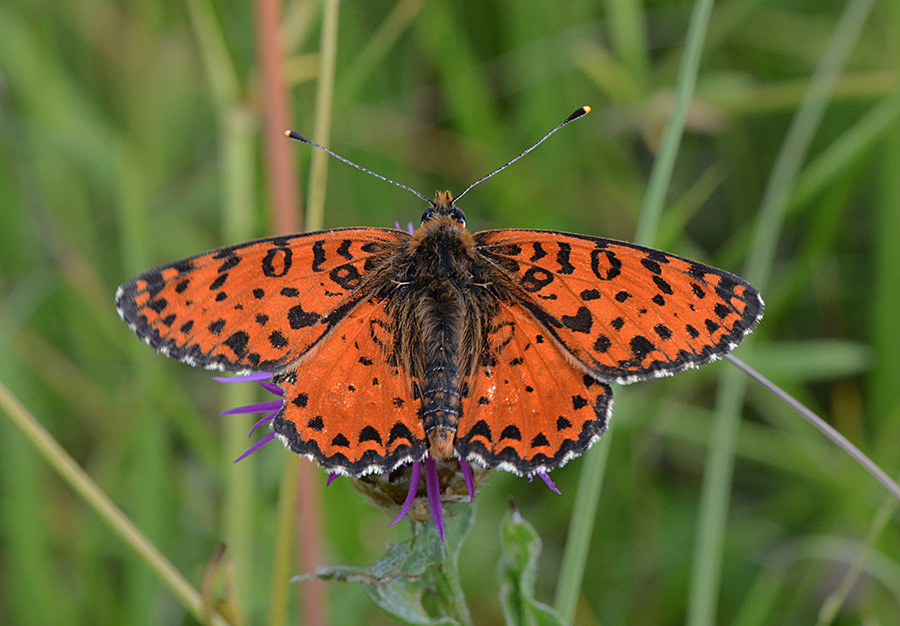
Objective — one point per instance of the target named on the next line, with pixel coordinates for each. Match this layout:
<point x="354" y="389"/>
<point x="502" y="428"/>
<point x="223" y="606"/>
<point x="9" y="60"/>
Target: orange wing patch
<point x="349" y="405"/>
<point x="624" y="311"/>
<point x="257" y="306"/>
<point x="527" y="408"/>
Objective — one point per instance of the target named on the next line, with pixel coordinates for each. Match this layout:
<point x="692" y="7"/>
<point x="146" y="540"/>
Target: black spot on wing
<point x="641" y="347"/>
<point x="298" y="318"/>
<point x="562" y="258"/>
<point x="721" y="310"/>
<point x="317" y="424"/>
<point x="651" y="265"/>
<point x="663" y="285"/>
<point x="369" y="434"/>
<point x="602" y="344"/>
<point x="238" y="343"/>
<point x="219" y="281"/>
<point x="277" y="340"/>
<point x="535" y="279"/>
<point x="578" y="402"/>
<point x="581" y="322"/>
<point x="318" y="249"/>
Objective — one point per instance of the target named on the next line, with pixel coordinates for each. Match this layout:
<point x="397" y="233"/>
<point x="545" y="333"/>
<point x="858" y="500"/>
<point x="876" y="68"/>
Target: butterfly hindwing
<point x="624" y="311"/>
<point x="256" y="306"/>
<point x="527" y="408"/>
<point x="349" y="405"/>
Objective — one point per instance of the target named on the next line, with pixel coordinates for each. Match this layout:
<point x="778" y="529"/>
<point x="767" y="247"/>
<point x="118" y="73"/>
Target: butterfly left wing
<point x="527" y="408"/>
<point x="256" y="306"/>
<point x="350" y="406"/>
<point x="625" y="312"/>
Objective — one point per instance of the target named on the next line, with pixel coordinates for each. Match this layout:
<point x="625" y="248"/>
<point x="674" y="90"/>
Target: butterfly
<point x="392" y="347"/>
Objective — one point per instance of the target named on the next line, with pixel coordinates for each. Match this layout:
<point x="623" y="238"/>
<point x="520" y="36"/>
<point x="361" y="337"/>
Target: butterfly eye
<point x="429" y="214"/>
<point x="458" y="216"/>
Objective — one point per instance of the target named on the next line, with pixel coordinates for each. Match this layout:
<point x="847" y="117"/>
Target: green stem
<point x="449" y="582"/>
<point x="714" y="501"/>
<point x="66" y="467"/>
<point x="590" y="482"/>
<point x="581" y="527"/>
<point x="284" y="533"/>
<point x="318" y="175"/>
<point x="661" y="175"/>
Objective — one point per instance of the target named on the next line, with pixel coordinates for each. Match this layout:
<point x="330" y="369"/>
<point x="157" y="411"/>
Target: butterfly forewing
<point x="527" y="408"/>
<point x="350" y="406"/>
<point x="624" y="311"/>
<point x="257" y="306"/>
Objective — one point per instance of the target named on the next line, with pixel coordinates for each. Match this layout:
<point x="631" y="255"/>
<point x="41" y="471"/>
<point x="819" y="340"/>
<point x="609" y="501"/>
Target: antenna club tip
<point x="293" y="134"/>
<point x="579" y="112"/>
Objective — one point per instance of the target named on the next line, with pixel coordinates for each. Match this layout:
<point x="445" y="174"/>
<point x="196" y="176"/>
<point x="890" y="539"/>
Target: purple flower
<point x="445" y="479"/>
<point x="271" y="408"/>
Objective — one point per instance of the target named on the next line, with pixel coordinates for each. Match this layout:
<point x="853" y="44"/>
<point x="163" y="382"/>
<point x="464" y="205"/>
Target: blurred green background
<point x="130" y="136"/>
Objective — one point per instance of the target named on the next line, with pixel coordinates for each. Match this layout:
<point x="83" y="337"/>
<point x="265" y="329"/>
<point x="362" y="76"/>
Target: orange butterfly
<point x="389" y="348"/>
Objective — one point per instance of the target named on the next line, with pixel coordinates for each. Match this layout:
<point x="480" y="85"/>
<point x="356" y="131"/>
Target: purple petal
<point x="434" y="494"/>
<point x="243" y="379"/>
<point x="410" y="227"/>
<point x="550" y="483"/>
<point x="267" y="418"/>
<point x="260" y="407"/>
<point x="272" y="388"/>
<point x="411" y="494"/>
<point x="467" y="475"/>
<point x="397" y="225"/>
<point x="256" y="446"/>
<point x="331" y="478"/>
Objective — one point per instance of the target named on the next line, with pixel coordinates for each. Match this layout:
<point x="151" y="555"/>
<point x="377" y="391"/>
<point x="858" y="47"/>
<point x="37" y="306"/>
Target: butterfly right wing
<point x="257" y="306"/>
<point x="527" y="408"/>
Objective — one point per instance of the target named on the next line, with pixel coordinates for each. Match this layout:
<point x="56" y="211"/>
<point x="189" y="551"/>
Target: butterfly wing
<point x="350" y="407"/>
<point x="528" y="408"/>
<point x="257" y="306"/>
<point x="624" y="311"/>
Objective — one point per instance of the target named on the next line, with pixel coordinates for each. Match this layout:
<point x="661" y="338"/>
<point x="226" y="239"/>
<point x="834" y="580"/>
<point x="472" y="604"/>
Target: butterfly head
<point x="443" y="206"/>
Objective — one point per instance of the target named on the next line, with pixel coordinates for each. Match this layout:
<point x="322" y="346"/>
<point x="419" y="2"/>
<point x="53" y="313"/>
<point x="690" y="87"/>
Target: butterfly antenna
<point x="293" y="134"/>
<point x="578" y="113"/>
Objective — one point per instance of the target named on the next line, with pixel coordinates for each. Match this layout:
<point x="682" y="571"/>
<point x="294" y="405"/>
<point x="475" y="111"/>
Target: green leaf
<point x="520" y="548"/>
<point x="421" y="566"/>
